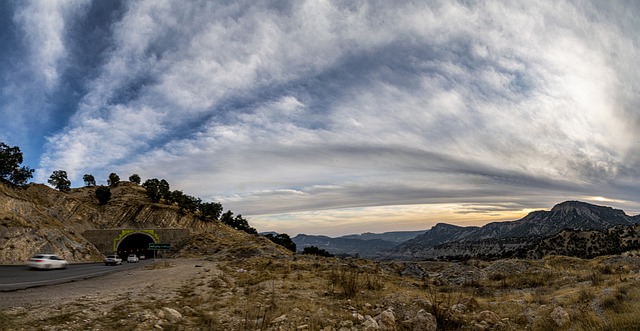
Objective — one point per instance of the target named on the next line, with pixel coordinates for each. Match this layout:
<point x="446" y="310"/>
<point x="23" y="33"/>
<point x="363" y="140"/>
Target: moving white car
<point x="112" y="260"/>
<point x="47" y="261"/>
<point x="132" y="258"/>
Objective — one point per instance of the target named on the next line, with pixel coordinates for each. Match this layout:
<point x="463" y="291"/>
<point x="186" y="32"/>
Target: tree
<point x="59" y="180"/>
<point x="238" y="222"/>
<point x="135" y="178"/>
<point x="165" y="191"/>
<point x="210" y="211"/>
<point x="21" y="175"/>
<point x="113" y="180"/>
<point x="185" y="201"/>
<point x="283" y="240"/>
<point x="10" y="170"/>
<point x="89" y="180"/>
<point x="103" y="193"/>
<point x="152" y="186"/>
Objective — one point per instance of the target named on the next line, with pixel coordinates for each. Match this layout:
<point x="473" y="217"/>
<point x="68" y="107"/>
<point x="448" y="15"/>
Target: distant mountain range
<point x="371" y="245"/>
<point x="537" y="234"/>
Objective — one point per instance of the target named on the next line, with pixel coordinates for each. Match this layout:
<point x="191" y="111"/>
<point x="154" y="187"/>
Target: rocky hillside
<point x="37" y="218"/>
<point x="532" y="235"/>
<point x="588" y="243"/>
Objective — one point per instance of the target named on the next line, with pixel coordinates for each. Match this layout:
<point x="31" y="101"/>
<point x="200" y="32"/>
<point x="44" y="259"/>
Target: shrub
<point x="103" y="194"/>
<point x="313" y="250"/>
<point x="283" y="240"/>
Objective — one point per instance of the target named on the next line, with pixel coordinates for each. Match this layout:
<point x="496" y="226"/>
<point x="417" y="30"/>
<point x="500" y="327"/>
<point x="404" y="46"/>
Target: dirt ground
<point x="156" y="279"/>
<point x="99" y="295"/>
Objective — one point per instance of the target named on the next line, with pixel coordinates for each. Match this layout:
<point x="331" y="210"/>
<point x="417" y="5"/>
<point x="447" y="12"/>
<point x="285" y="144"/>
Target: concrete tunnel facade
<point x="134" y="241"/>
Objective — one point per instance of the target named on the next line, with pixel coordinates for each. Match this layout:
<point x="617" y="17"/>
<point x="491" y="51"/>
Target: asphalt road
<point x="17" y="277"/>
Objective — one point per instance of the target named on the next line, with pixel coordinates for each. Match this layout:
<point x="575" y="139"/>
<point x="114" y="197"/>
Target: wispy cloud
<point x="278" y="108"/>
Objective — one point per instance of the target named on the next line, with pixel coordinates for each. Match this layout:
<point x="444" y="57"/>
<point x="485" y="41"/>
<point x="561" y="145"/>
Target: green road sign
<point x="159" y="246"/>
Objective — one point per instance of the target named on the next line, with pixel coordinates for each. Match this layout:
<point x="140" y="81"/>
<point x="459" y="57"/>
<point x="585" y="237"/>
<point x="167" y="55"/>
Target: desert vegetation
<point x="306" y="292"/>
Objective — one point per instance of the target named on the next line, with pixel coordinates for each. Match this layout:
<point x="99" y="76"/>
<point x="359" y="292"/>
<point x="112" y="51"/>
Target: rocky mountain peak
<point x="587" y="209"/>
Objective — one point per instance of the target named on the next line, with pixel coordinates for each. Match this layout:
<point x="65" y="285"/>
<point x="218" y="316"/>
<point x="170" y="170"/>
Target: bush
<point x="283" y="240"/>
<point x="103" y="194"/>
<point x="313" y="250"/>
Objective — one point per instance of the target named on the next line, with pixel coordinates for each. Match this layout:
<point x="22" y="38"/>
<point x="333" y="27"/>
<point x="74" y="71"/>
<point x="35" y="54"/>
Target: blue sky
<point x="333" y="117"/>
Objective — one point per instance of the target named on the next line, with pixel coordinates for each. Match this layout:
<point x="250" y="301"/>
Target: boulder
<point x="387" y="320"/>
<point x="171" y="314"/>
<point x="423" y="321"/>
<point x="560" y="316"/>
<point x="370" y="324"/>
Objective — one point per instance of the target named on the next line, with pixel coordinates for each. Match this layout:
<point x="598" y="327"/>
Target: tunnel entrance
<point x="136" y="243"/>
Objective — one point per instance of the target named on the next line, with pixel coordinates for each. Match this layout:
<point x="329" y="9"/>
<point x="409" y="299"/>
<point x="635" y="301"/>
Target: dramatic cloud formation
<point x="334" y="117"/>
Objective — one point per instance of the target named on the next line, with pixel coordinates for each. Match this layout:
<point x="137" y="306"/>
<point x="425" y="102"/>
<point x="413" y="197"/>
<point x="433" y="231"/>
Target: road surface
<point x="17" y="277"/>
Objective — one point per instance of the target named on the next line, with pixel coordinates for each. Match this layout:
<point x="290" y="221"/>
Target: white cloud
<point x="45" y="26"/>
<point x="309" y="106"/>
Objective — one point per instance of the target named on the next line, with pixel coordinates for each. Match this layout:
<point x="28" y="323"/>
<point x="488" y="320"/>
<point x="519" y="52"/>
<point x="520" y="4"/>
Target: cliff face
<point x="37" y="219"/>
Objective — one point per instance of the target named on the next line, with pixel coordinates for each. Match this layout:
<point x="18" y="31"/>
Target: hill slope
<point x="37" y="218"/>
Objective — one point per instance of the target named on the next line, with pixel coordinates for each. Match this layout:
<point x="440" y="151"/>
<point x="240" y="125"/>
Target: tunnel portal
<point x="136" y="243"/>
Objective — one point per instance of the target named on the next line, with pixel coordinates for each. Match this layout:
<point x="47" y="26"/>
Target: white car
<point x="132" y="258"/>
<point x="112" y="260"/>
<point x="47" y="261"/>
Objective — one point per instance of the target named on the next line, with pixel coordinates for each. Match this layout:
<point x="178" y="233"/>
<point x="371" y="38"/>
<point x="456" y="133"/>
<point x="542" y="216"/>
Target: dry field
<point x="313" y="293"/>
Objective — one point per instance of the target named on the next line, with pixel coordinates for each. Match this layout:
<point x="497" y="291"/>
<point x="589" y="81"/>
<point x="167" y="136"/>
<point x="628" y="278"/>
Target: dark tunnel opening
<point x="137" y="244"/>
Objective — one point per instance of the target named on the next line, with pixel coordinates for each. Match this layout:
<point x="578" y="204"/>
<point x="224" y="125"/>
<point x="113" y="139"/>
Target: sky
<point x="333" y="117"/>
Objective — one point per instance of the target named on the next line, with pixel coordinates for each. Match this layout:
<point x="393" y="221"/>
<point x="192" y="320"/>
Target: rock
<point x="560" y="316"/>
<point x="171" y="314"/>
<point x="190" y="311"/>
<point x="17" y="310"/>
<point x="489" y="317"/>
<point x="423" y="321"/>
<point x="483" y="326"/>
<point x="459" y="308"/>
<point x="358" y="317"/>
<point x="346" y="324"/>
<point x="370" y="324"/>
<point x="279" y="319"/>
<point x="387" y="320"/>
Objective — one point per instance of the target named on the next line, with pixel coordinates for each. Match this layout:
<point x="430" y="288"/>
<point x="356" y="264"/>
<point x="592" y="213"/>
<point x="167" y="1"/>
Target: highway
<point x="17" y="277"/>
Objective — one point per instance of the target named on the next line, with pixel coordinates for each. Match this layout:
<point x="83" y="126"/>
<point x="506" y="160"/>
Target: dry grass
<point x="311" y="293"/>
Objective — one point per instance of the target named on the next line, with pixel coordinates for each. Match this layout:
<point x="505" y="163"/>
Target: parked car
<point x="132" y="258"/>
<point x="112" y="260"/>
<point x="142" y="257"/>
<point x="47" y="261"/>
